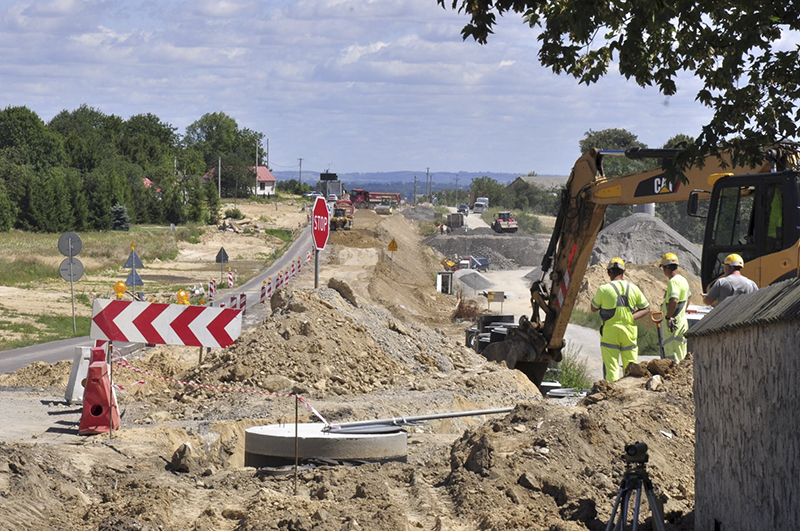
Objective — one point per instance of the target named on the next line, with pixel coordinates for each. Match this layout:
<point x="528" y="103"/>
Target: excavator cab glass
<point x="748" y="216"/>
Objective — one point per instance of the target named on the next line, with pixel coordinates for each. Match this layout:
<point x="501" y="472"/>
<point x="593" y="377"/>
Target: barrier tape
<point x="125" y="364"/>
<point x="122" y="387"/>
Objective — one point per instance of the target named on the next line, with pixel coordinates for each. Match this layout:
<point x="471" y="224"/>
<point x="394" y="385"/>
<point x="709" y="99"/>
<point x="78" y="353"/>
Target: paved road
<point x="12" y="360"/>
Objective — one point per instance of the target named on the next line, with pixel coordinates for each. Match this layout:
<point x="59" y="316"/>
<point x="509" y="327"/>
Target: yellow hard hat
<point x="616" y="263"/>
<point x="669" y="259"/>
<point x="734" y="260"/>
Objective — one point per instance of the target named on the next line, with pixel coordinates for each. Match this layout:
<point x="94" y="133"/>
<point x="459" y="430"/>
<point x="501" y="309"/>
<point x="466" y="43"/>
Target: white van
<point x="481" y="205"/>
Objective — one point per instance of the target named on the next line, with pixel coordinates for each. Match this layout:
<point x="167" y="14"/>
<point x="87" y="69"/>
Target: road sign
<point x="134" y="279"/>
<point x="71" y="273"/>
<point x="70" y="244"/>
<point x="393" y="245"/>
<point x="320" y="228"/>
<point x="222" y="256"/>
<point x="133" y="261"/>
<point x="164" y="324"/>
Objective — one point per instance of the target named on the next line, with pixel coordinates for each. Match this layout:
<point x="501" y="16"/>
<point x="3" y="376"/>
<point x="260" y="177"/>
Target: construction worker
<point x="733" y="283"/>
<point x="674" y="309"/>
<point x="620" y="303"/>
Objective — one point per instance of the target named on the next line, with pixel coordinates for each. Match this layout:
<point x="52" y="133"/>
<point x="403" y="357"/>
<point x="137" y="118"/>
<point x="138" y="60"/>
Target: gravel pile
<point x="506" y="251"/>
<point x="643" y="239"/>
<point x="419" y="213"/>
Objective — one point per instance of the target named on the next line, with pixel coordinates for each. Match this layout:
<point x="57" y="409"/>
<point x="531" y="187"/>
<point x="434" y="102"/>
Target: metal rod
<point x="296" y="439"/>
<point x="418" y="418"/>
<point x="72" y="288"/>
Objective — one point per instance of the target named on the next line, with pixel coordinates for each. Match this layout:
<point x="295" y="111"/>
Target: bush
<point x="234" y="213"/>
<point x="573" y="372"/>
<point x="119" y="218"/>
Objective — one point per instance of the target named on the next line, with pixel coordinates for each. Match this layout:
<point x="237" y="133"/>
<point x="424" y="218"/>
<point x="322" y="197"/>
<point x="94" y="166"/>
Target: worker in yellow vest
<point x="674" y="308"/>
<point x="620" y="303"/>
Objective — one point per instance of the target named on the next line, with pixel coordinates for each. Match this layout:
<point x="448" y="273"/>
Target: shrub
<point x="234" y="213"/>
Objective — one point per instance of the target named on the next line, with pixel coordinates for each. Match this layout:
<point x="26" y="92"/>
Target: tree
<point x="487" y="187"/>
<point x="119" y="218"/>
<point x="7" y="211"/>
<point x="615" y="140"/>
<point x="749" y="80"/>
<point x="212" y="202"/>
<point x="147" y="141"/>
<point x="674" y="214"/>
<point x="25" y="137"/>
<point x="89" y="135"/>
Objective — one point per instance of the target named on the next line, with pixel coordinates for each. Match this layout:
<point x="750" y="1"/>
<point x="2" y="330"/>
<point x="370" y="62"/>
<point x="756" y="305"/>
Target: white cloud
<point x="367" y="85"/>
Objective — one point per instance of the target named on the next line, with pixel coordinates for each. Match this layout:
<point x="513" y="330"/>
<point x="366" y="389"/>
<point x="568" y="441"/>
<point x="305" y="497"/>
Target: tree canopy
<point x="751" y="79"/>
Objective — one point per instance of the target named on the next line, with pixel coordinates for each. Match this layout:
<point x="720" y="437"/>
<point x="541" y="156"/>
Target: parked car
<point x="312" y="195"/>
<point x="464" y="209"/>
<point x="333" y="197"/>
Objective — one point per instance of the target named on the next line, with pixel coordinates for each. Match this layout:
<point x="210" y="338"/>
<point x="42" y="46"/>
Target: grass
<point x="35" y="253"/>
<point x="426" y="228"/>
<point x="572" y="371"/>
<point x="41" y="329"/>
<point x="284" y="235"/>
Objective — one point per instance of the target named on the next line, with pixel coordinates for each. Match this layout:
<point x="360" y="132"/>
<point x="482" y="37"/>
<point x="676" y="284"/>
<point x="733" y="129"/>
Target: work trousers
<point x="674" y="342"/>
<point x="618" y="341"/>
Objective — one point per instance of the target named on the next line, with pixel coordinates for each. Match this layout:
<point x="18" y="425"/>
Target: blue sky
<point x="354" y="85"/>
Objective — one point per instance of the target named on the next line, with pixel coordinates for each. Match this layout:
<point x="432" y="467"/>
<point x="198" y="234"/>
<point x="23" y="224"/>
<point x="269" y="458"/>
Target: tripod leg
<point x="635" y="525"/>
<point x="624" y="516"/>
<point x="658" y="520"/>
<point x="611" y="525"/>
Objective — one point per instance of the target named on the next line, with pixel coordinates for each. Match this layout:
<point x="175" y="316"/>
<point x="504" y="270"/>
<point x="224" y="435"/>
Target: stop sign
<point x="320" y="223"/>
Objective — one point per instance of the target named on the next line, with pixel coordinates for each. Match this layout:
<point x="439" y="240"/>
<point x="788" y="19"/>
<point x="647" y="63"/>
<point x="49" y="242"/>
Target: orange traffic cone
<point x="100" y="411"/>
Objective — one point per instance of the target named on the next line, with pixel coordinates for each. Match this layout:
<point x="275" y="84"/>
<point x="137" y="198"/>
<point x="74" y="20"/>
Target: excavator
<point x="752" y="211"/>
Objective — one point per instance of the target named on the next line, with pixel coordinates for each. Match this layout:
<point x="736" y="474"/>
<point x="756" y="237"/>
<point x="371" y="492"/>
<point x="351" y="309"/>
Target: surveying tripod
<point x="634" y="479"/>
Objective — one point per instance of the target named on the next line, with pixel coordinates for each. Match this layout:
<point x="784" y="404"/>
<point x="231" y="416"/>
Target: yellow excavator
<point x="752" y="211"/>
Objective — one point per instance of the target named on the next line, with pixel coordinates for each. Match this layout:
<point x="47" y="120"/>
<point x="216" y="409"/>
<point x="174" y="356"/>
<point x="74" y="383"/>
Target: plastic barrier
<point x="100" y="411"/>
<point x="77" y="377"/>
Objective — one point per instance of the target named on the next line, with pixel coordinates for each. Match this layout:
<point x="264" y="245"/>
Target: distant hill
<point x="441" y="180"/>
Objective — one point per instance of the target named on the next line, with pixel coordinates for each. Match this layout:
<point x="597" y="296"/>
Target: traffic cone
<point x="98" y="398"/>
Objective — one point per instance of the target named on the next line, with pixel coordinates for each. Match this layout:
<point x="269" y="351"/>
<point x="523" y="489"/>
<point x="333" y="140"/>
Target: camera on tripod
<point x="636" y="453"/>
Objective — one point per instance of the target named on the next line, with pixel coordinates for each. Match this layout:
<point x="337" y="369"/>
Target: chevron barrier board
<point x="164" y="324"/>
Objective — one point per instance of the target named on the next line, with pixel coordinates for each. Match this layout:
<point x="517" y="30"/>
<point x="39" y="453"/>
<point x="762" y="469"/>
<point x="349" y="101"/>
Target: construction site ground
<point x="375" y="340"/>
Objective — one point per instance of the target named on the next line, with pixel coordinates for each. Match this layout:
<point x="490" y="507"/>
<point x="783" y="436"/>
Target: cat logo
<point x="662" y="186"/>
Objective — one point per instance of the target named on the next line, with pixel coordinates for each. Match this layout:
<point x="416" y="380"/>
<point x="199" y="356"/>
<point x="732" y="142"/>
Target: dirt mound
<point x="548" y="467"/>
<point x="642" y="239"/>
<point x="424" y="212"/>
<point x="39" y="374"/>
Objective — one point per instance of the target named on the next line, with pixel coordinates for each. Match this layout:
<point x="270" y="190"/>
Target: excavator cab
<point x="755" y="216"/>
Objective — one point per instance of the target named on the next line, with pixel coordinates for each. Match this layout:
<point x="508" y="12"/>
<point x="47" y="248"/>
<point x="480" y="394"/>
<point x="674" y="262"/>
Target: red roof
<point x="264" y="175"/>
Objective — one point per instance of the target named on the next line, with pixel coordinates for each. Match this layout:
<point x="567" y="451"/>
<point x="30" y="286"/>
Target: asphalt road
<point x="12" y="360"/>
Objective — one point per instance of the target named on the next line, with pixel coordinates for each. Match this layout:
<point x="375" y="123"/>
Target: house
<point x="265" y="182"/>
<point x="548" y="182"/>
<point x="746" y="392"/>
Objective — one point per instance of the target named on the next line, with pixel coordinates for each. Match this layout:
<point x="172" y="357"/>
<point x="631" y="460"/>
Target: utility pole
<point x="428" y="184"/>
<point x="267" y="161"/>
<point x="255" y="190"/>
<point x="219" y="178"/>
<point x="301" y="170"/>
<point x="415" y="188"/>
<point x="456" y="189"/>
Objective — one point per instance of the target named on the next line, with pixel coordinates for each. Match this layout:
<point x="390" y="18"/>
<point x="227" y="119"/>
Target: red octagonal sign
<point x="320" y="223"/>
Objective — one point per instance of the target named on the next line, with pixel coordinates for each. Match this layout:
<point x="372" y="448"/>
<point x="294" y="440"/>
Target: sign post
<point x="392" y="249"/>
<point x="320" y="230"/>
<point x="222" y="259"/>
<point x="70" y="244"/>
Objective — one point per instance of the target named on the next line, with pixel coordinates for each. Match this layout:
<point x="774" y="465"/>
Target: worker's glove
<point x="672" y="324"/>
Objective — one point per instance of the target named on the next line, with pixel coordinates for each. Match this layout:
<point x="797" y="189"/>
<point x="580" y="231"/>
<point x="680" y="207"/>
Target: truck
<point x="364" y="199"/>
<point x="752" y="211"/>
<point x="504" y="222"/>
<point x="481" y="204"/>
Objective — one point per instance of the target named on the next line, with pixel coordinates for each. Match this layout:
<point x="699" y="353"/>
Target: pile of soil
<point x="376" y="343"/>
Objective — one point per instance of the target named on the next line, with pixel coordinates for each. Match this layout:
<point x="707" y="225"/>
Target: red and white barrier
<point x="243" y="303"/>
<point x="234" y="301"/>
<point x="212" y="289"/>
<point x="263" y="292"/>
<point x="230" y="277"/>
<point x="269" y="288"/>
